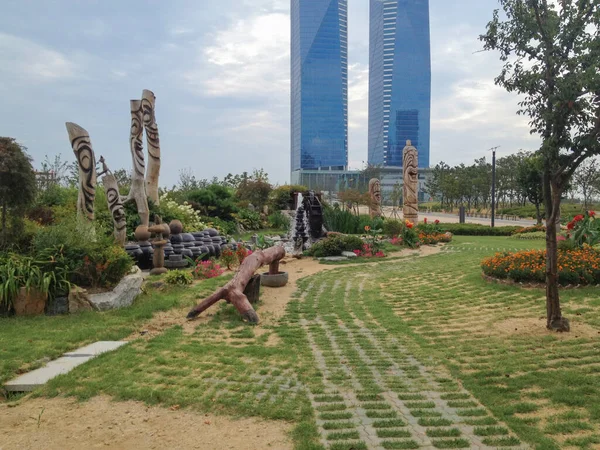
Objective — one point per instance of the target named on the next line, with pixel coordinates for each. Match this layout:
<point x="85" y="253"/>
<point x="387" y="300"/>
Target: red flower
<point x="571" y="225"/>
<point x="591" y="213"/>
<point x="577" y="218"/>
<point x="437" y="222"/>
<point x="425" y="220"/>
<point x="409" y="224"/>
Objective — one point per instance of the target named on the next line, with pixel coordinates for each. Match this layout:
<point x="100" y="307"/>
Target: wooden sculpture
<point x="138" y="185"/>
<point x="153" y="141"/>
<point x="115" y="205"/>
<point x="234" y="290"/>
<point x="410" y="165"/>
<point x="82" y="147"/>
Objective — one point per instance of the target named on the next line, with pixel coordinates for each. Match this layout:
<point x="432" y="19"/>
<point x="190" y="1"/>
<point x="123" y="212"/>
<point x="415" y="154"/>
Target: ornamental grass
<point x="578" y="266"/>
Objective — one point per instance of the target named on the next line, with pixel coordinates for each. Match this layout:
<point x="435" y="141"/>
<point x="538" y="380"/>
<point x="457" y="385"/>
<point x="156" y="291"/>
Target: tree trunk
<point x="137" y="191"/>
<point x="153" y="141"/>
<point x="234" y="290"/>
<point x="555" y="320"/>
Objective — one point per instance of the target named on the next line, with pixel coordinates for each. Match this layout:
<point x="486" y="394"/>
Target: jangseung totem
<point x="375" y="191"/>
<point x="153" y="141"/>
<point x="82" y="147"/>
<point x="138" y="185"/>
<point x="115" y="205"/>
<point x="410" y="166"/>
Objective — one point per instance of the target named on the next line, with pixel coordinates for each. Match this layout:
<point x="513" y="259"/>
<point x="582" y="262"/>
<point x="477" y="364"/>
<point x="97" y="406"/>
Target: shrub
<point x="214" y="201"/>
<point x="18" y="271"/>
<point x="529" y="235"/>
<point x="242" y="253"/>
<point x="248" y="219"/>
<point x="178" y="278"/>
<point x="225" y="227"/>
<point x="533" y="229"/>
<point x="585" y="229"/>
<point x="340" y="221"/>
<point x="392" y="228"/>
<point x="279" y="221"/>
<point x="228" y="258"/>
<point x="579" y="266"/>
<point x="433" y="238"/>
<point x="190" y="218"/>
<point x="207" y="269"/>
<point x="103" y="266"/>
<point x="471" y="229"/>
<point x="281" y="197"/>
<point x="410" y="237"/>
<point x="335" y="244"/>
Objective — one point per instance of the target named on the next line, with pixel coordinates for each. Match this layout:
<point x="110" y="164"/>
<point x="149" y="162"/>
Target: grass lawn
<point x="362" y="352"/>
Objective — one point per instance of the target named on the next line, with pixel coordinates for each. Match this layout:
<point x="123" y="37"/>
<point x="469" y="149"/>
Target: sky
<point x="220" y="71"/>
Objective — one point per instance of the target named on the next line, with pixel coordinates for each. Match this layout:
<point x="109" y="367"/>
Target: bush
<point x="207" y="269"/>
<point x="530" y="236"/>
<point x="249" y="220"/>
<point x="579" y="266"/>
<point x="229" y="258"/>
<point x="92" y="259"/>
<point x="279" y="221"/>
<point x="335" y="244"/>
<point x="433" y="238"/>
<point x="214" y="201"/>
<point x="281" y="197"/>
<point x="392" y="228"/>
<point x="533" y="229"/>
<point x="225" y="227"/>
<point x="179" y="278"/>
<point x="189" y="217"/>
<point x="471" y="229"/>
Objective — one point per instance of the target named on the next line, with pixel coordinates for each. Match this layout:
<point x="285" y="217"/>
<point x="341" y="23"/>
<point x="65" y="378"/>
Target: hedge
<point x="472" y="229"/>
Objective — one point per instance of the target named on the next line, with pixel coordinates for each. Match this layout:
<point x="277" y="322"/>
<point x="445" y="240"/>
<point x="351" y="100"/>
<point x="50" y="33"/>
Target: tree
<point x="529" y="179"/>
<point x="551" y="57"/>
<point x="17" y="182"/>
<point x="585" y="179"/>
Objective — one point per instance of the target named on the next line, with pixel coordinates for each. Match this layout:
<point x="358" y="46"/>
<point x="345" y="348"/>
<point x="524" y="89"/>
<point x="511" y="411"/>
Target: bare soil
<point x="61" y="423"/>
<point x="528" y="327"/>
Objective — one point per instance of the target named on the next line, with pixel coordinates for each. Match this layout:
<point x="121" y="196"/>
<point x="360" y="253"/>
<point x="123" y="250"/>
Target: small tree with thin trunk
<point x="585" y="180"/>
<point x="551" y="55"/>
<point x="529" y="179"/>
<point x="17" y="182"/>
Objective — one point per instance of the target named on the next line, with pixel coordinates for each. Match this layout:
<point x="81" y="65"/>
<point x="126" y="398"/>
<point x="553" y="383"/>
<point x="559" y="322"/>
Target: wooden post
<point x="82" y="147"/>
<point x="138" y="187"/>
<point x="153" y="141"/>
<point x="115" y="205"/>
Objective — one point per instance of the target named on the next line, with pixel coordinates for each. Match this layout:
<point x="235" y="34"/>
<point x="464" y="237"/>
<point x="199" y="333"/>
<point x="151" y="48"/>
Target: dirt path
<point x="61" y="423"/>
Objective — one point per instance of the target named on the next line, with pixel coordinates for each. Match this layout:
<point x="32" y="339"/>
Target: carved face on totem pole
<point x="82" y="147"/>
<point x="410" y="165"/>
<point x="116" y="209"/>
<point x="375" y="191"/>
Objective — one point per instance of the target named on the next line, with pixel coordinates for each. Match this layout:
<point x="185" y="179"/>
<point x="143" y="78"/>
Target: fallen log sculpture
<point x="234" y="290"/>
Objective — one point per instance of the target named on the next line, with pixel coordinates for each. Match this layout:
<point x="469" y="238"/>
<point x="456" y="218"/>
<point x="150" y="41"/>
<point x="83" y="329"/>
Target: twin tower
<point x="399" y="82"/>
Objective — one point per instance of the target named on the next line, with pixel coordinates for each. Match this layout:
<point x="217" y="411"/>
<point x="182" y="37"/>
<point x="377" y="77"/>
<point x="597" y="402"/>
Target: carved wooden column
<point x="138" y="186"/>
<point x="115" y="205"/>
<point x="410" y="166"/>
<point x="82" y="147"/>
<point x="153" y="141"/>
<point x="375" y="191"/>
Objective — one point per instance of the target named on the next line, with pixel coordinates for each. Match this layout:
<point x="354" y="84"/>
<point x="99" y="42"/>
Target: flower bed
<point x="578" y="266"/>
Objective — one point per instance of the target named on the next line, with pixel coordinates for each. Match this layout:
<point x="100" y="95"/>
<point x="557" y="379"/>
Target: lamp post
<point x="493" y="149"/>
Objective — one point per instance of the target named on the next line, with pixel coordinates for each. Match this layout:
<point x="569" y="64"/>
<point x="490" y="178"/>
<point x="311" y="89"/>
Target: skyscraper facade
<point x="319" y="93"/>
<point x="399" y="80"/>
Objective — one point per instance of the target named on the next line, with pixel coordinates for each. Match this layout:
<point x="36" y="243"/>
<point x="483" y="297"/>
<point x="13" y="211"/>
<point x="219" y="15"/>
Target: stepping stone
<point x="36" y="378"/>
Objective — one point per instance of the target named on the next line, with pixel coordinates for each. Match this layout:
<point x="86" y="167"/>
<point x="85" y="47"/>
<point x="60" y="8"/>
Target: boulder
<point x="30" y="302"/>
<point x="121" y="296"/>
<point x="79" y="300"/>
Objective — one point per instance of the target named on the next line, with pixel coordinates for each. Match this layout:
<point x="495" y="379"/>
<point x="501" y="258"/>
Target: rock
<point x="176" y="227"/>
<point x="121" y="296"/>
<point x="349" y="255"/>
<point x="142" y="233"/>
<point x="79" y="300"/>
<point x="334" y="258"/>
<point x="58" y="306"/>
<point x="30" y="303"/>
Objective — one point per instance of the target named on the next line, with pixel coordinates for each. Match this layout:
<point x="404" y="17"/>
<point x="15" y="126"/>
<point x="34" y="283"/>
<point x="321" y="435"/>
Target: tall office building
<point x="319" y="75"/>
<point x="399" y="80"/>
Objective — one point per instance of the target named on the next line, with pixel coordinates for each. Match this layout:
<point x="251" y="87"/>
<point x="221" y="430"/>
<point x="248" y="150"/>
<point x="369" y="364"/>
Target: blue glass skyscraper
<point x="399" y="80"/>
<point x="319" y="94"/>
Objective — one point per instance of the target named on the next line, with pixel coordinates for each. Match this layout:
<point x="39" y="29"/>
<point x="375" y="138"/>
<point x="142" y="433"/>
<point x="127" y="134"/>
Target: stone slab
<point x="36" y="378"/>
<point x="97" y="348"/>
<point x="121" y="296"/>
<point x="333" y="258"/>
<point x="349" y="255"/>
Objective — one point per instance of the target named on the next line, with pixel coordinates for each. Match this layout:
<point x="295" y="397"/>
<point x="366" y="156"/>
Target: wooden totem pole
<point x="410" y="166"/>
<point x="82" y="147"/>
<point x="153" y="141"/>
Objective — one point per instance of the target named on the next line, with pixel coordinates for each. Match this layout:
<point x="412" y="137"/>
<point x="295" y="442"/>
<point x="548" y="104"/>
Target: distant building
<point x="319" y="91"/>
<point x="399" y="80"/>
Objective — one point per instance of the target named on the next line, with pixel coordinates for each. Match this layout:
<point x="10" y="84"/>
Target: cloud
<point x="22" y="58"/>
<point x="251" y="57"/>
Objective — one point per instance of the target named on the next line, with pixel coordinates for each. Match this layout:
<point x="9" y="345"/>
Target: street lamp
<point x="493" y="149"/>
